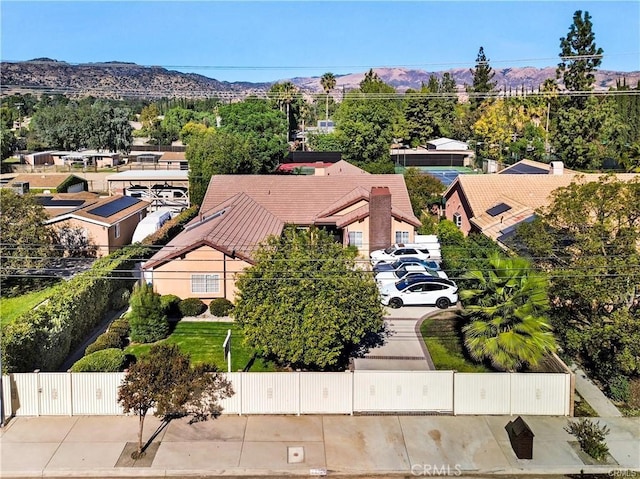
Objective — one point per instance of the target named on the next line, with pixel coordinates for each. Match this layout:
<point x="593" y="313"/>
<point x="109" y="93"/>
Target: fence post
<point x="70" y="392"/>
<point x="351" y="373"/>
<point x="39" y="390"/>
<point x="299" y="393"/>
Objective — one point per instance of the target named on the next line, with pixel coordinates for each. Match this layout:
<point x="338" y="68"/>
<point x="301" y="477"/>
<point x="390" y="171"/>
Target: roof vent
<point x="556" y="168"/>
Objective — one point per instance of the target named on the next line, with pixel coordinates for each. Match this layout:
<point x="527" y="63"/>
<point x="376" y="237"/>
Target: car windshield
<point x="389" y="250"/>
<point x="397" y="264"/>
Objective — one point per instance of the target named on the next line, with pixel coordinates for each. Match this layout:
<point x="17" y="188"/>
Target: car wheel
<point x="443" y="303"/>
<point x="395" y="303"/>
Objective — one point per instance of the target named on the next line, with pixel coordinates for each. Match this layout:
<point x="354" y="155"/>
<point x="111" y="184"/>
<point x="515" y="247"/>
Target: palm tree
<point x="507" y="314"/>
<point x="328" y="82"/>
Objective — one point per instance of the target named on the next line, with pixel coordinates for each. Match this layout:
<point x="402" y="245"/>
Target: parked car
<point x="397" y="251"/>
<point x="428" y="264"/>
<point x="420" y="290"/>
<point x="404" y="271"/>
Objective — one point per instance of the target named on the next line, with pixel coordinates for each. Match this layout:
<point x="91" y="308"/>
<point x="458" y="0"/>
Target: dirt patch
<point x="587" y="459"/>
<point x="125" y="459"/>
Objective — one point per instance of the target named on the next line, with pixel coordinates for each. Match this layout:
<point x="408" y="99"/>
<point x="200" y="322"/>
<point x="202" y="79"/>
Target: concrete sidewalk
<point x="276" y="446"/>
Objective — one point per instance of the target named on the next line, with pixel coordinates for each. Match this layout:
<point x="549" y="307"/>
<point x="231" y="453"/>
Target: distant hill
<point x="120" y="79"/>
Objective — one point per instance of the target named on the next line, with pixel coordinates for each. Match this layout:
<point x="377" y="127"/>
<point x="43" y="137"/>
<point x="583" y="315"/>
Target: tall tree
<point x="483" y="86"/>
<point x="579" y="56"/>
<point x="424" y="190"/>
<point x="305" y="303"/>
<point x="26" y="243"/>
<point x="328" y="82"/>
<point x="507" y="310"/>
<point x="589" y="237"/>
<point x="165" y="380"/>
<point x="367" y="121"/>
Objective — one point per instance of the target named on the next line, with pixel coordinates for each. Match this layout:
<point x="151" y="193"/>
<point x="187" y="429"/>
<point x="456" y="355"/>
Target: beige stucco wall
<point x="363" y="226"/>
<point x="174" y="277"/>
<point x="103" y="237"/>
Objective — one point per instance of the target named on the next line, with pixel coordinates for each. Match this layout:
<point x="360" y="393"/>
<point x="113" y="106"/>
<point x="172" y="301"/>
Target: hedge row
<point x="43" y="338"/>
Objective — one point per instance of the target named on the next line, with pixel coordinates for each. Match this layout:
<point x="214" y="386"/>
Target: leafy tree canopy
<point x="305" y="303"/>
<point x="423" y="189"/>
<point x="26" y="243"/>
<point x="165" y="380"/>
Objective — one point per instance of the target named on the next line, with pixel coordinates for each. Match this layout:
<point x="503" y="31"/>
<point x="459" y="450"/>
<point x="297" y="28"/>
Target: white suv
<point x="420" y="290"/>
<point x="396" y="251"/>
<point x="402" y="272"/>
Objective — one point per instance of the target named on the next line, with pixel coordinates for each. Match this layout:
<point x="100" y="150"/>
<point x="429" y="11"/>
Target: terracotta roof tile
<point x="343" y="167"/>
<point x="300" y="199"/>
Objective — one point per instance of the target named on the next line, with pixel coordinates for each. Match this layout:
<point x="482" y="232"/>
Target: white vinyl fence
<point x="426" y="392"/>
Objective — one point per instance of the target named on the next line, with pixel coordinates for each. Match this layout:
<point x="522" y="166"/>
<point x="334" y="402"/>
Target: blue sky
<point x="268" y="41"/>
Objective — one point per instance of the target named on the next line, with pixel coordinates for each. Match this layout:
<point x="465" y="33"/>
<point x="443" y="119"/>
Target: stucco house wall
<point x="175" y="276"/>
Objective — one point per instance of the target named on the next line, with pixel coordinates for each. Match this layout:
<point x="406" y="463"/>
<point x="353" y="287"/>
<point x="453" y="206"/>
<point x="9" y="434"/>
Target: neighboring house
<point x="54" y="183"/>
<point x="494" y="204"/>
<point x="447" y="144"/>
<point x="240" y="211"/>
<point x="164" y="189"/>
<point x="108" y="223"/>
<point x="86" y="158"/>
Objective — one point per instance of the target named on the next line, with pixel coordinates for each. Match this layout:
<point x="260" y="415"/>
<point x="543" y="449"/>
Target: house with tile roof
<point x="108" y="223"/>
<point x="495" y="204"/>
<point x="239" y="212"/>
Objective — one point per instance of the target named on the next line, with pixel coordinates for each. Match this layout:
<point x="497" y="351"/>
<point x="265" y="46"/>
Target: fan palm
<point x="328" y="82"/>
<point x="507" y="314"/>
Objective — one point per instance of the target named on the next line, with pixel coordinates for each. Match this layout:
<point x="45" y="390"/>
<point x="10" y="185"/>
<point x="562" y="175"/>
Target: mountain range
<point x="122" y="79"/>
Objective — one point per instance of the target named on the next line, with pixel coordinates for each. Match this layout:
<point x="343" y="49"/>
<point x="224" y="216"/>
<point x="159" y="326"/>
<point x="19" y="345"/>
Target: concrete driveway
<point x="403" y="348"/>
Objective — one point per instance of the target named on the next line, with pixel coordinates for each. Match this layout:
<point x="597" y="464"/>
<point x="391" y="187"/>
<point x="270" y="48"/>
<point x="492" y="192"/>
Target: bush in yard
<point x="104" y="361"/>
<point x="220" y="307"/>
<point x="590" y="436"/>
<point x="105" y="341"/>
<point x="191" y="307"/>
<point x="619" y="388"/>
<point x="147" y="319"/>
<point x="120" y="299"/>
<point x="169" y="304"/>
<point x="120" y="327"/>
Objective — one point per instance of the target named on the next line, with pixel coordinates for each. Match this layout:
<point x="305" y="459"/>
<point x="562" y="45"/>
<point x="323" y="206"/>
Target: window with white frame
<point x="355" y="238"/>
<point x="205" y="283"/>
<point x="402" y="237"/>
<point x="117" y="230"/>
<point x="457" y="219"/>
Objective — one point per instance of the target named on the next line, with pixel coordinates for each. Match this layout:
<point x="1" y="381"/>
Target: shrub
<point x="220" y="307"/>
<point x="106" y="340"/>
<point x="634" y="393"/>
<point x="619" y="389"/>
<point x="104" y="361"/>
<point x="120" y="299"/>
<point x="120" y="327"/>
<point x="191" y="307"/>
<point x="147" y="319"/>
<point x="169" y="303"/>
<point x="590" y="436"/>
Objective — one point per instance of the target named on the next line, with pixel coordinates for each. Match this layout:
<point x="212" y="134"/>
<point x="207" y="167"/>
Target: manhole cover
<point x="295" y="454"/>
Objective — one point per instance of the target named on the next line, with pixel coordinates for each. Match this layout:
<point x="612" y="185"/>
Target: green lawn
<point x="11" y="308"/>
<point x="203" y="342"/>
<point x="441" y="336"/>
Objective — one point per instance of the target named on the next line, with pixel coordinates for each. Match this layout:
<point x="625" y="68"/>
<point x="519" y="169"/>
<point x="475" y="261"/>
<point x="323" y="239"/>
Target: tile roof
<point x="524" y="193"/>
<point x="534" y="191"/>
<point x="224" y="227"/>
<point x="41" y="181"/>
<point x="302" y="199"/>
<point x="344" y="168"/>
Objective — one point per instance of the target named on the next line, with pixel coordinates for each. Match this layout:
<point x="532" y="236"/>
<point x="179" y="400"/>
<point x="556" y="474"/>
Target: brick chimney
<point x="379" y="218"/>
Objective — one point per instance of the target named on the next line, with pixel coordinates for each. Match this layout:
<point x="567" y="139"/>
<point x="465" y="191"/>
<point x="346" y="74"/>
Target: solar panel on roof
<point x="498" y="209"/>
<point x="114" y="207"/>
<point x="48" y="201"/>
<point x="524" y="169"/>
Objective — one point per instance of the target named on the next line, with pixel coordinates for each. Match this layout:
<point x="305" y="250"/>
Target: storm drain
<point x="295" y="454"/>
